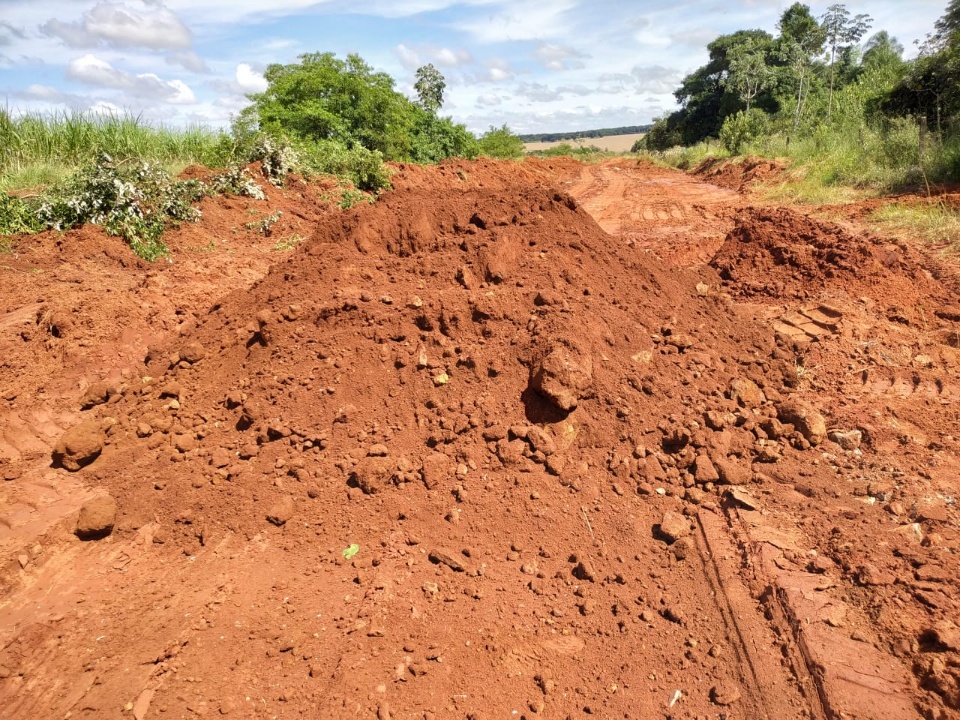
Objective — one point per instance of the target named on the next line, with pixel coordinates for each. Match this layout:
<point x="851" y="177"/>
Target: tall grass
<point x="38" y="150"/>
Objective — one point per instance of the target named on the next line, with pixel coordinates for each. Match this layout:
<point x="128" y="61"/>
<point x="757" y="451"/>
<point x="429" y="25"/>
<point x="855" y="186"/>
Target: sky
<point x="536" y="65"/>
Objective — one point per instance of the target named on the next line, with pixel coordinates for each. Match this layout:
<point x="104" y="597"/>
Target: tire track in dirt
<point x="680" y="218"/>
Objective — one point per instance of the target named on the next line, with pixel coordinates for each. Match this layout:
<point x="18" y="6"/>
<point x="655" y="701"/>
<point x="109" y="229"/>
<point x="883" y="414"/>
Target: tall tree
<point x="749" y="72"/>
<point x="801" y="40"/>
<point x="430" y="85"/>
<point x="841" y="32"/>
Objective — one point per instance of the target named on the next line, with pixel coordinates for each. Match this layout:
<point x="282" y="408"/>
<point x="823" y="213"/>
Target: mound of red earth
<point x="739" y="174"/>
<point x="780" y="253"/>
<point x="463" y="455"/>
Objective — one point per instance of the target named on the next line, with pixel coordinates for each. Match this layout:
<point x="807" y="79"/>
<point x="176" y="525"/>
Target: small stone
<point x="807" y="421"/>
<point x="281" y="511"/>
<point x="870" y="575"/>
<point x="847" y="439"/>
<point x="97" y="518"/>
<point x="97" y="394"/>
<point x="192" y="352"/>
<point x="441" y="379"/>
<point x="372" y="475"/>
<point x="704" y="470"/>
<point x="583" y="570"/>
<point x="724" y="694"/>
<point x="439" y="556"/>
<point x="673" y="526"/>
<point x="742" y="498"/>
<point x="185" y="443"/>
<point x="563" y="375"/>
<point x="437" y="469"/>
<point x="682" y="548"/>
<point x="377" y="451"/>
<point x="732" y="472"/>
<point x="746" y="393"/>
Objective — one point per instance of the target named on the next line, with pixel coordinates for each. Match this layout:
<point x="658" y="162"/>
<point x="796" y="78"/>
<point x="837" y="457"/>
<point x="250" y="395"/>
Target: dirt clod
<point x="97" y="518"/>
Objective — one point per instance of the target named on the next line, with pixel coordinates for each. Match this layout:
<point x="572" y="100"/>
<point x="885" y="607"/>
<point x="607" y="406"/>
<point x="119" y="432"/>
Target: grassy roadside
<point x="64" y="170"/>
<point x="41" y="150"/>
<point x="837" y="167"/>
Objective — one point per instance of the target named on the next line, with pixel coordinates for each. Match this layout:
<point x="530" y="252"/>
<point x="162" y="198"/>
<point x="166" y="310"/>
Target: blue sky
<point x="538" y="65"/>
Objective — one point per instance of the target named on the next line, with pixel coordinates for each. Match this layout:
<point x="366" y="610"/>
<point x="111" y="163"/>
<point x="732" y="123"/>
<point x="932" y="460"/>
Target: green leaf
<point x="351" y="551"/>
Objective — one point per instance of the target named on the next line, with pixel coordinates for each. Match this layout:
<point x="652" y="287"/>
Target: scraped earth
<point x="538" y="440"/>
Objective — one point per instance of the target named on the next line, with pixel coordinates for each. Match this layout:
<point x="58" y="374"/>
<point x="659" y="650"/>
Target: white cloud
<point x="248" y="80"/>
<point x="489" y="100"/>
<point x="496" y="71"/>
<point x="530" y="20"/>
<point x="188" y="60"/>
<point x="414" y="57"/>
<point x="113" y="24"/>
<point x="559" y="57"/>
<point x="92" y="70"/>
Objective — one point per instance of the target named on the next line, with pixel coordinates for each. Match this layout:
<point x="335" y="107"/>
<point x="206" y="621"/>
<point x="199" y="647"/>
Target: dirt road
<point x="554" y="440"/>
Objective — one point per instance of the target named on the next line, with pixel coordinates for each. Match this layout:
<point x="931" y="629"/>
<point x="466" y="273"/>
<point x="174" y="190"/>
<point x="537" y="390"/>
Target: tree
<point x="881" y="50"/>
<point x="841" y="32"/>
<point x="749" y="73"/>
<point x="430" y="85"/>
<point x="706" y="96"/>
<point x="324" y="98"/>
<point x="801" y="40"/>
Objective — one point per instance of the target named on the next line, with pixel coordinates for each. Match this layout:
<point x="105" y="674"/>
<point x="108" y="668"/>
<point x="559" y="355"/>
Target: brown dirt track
<point x="612" y="443"/>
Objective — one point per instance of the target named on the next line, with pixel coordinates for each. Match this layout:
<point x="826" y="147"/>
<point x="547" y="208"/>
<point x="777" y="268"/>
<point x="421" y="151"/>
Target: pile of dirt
<point x="474" y="373"/>
<point x="462" y="455"/>
<point x="739" y="174"/>
<point x="782" y="254"/>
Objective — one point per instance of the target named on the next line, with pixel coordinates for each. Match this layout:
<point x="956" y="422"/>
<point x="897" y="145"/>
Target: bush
<point x="662" y="136"/>
<point x="742" y="128"/>
<point x="364" y="168"/>
<point x="436" y="139"/>
<point x="136" y="201"/>
<point x="501" y="143"/>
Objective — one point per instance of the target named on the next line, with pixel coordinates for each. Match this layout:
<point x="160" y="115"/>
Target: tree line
<point x="814" y="75"/>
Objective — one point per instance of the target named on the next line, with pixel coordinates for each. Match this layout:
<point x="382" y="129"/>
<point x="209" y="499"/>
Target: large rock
<point x="807" y="421"/>
<point x="97" y="518"/>
<point x="563" y="375"/>
<point x="80" y="445"/>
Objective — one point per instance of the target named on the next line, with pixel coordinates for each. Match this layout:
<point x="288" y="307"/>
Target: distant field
<point x="613" y="143"/>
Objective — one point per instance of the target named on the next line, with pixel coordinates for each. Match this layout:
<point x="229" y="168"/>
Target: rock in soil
<point x="97" y="518"/>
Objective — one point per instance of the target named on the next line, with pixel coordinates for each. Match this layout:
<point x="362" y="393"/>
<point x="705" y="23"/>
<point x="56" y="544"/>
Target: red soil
<point x="574" y="473"/>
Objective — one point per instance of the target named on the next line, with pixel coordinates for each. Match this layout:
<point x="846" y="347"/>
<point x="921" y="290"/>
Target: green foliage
<point x="264" y="225"/>
<point x="664" y="135"/>
<point x="500" y="142"/>
<point x="136" y="201"/>
<point x="435" y="139"/>
<point x="324" y="98"/>
<point x="566" y="149"/>
<point x="364" y="168"/>
<point x="18" y="216"/>
<point x="430" y="85"/>
<point x="350" y="197"/>
<point x="744" y="127"/>
<point x="237" y="181"/>
<point x="40" y="149"/>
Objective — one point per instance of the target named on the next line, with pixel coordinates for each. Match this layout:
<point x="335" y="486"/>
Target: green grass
<point x="40" y="150"/>
<point x="935" y="223"/>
